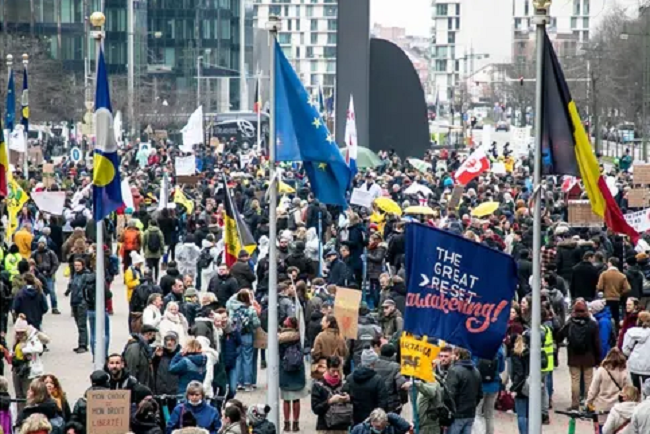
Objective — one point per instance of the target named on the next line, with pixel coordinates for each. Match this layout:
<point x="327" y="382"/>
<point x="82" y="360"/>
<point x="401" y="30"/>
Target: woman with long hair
<point x="233" y="421"/>
<point x="520" y="370"/>
<point x="636" y="346"/>
<point x="292" y="373"/>
<point x="40" y="401"/>
<point x="56" y="392"/>
<point x="609" y="380"/>
<point x="632" y="310"/>
<point x="619" y="418"/>
<point x="329" y="342"/>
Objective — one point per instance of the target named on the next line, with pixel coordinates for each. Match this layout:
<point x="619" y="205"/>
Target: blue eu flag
<point x="107" y="189"/>
<point x="10" y="115"/>
<point x="302" y="135"/>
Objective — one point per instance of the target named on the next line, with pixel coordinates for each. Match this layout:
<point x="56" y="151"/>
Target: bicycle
<point x="583" y="415"/>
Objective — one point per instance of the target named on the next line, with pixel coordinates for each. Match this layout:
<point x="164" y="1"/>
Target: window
<point x="441" y="10"/>
<point x="298" y="25"/>
<point x="329" y="52"/>
<point x="302" y="39"/>
<point x="526" y="8"/>
<point x="517" y="23"/>
<point x="275" y="10"/>
<point x="331" y="38"/>
<point x="441" y="65"/>
<point x="314" y="80"/>
<point x="450" y="23"/>
<point x="451" y="37"/>
<point x="457" y="23"/>
<point x="310" y="53"/>
<point x="330" y="11"/>
<point x="458" y="9"/>
<point x="332" y="25"/>
<point x="331" y="66"/>
<point x="314" y="38"/>
<point x="313" y="25"/>
<point x="310" y="11"/>
<point x="313" y="66"/>
<point x="574" y="22"/>
<point x="457" y="65"/>
<point x="297" y="52"/>
<point x="585" y="23"/>
<point x="585" y="7"/>
<point x="284" y="38"/>
<point x="286" y="11"/>
<point x="328" y="79"/>
<point x="585" y="35"/>
<point x="576" y="7"/>
<point x="298" y="10"/>
<point x="289" y="25"/>
<point x="287" y="52"/>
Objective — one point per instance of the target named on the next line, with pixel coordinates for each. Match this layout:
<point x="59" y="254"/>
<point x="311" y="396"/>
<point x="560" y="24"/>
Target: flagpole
<point x="258" y="105"/>
<point x="273" y="355"/>
<point x="535" y="400"/>
<point x="97" y="19"/>
<point x="10" y="62"/>
<point x="26" y="160"/>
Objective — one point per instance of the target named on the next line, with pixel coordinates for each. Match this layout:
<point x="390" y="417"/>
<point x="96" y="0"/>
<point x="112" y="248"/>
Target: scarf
<point x="331" y="381"/>
<point x="173" y="317"/>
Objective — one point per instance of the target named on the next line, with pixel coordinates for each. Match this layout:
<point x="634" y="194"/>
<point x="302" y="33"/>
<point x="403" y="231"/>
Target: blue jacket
<point x="207" y="417"/>
<point x="396" y="425"/>
<point x="191" y="367"/>
<point x="494" y="386"/>
<point x="604" y="319"/>
<point x="230" y="349"/>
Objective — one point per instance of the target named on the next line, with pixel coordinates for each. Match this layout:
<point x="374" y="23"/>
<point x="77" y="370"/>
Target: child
<point x="256" y="415"/>
<point x="5" y="404"/>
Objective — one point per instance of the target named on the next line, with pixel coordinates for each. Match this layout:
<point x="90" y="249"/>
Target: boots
<point x="296" y="427"/>
<point x="287" y="426"/>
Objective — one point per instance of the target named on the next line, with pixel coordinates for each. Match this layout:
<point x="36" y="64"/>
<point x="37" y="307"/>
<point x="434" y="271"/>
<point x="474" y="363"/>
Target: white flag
<point x="17" y="140"/>
<point x="193" y="131"/>
<point x="50" y="201"/>
<point x="163" y="200"/>
<point x="351" y="134"/>
<point x="117" y="127"/>
<point x="127" y="195"/>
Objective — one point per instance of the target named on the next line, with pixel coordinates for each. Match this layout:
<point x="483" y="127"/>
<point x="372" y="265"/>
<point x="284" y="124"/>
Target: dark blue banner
<point x="458" y="290"/>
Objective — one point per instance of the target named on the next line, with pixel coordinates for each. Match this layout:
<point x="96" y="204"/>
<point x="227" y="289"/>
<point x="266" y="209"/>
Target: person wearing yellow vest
<point x="11" y="262"/>
<point x="548" y="364"/>
<point x="133" y="274"/>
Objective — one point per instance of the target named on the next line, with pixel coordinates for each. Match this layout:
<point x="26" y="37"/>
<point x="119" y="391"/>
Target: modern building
<point x="308" y="37"/>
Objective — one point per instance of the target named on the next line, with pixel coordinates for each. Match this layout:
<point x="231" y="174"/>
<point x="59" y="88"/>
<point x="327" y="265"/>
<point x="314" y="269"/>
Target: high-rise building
<point x="308" y="37"/>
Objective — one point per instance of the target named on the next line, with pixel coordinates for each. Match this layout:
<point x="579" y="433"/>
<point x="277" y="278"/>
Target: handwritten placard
<point x="638" y="198"/>
<point x="185" y="166"/>
<point x="346" y="311"/>
<point x="109" y="411"/>
<point x="361" y="197"/>
<point x="416" y="357"/>
<point x="581" y="214"/>
<point x="641" y="174"/>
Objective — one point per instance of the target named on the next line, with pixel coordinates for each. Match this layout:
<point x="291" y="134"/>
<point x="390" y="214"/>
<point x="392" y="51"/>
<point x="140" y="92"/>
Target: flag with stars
<point x="10" y="114"/>
<point x="24" y="102"/>
<point x="303" y="136"/>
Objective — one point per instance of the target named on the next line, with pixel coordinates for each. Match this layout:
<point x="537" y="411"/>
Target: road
<point x="73" y="369"/>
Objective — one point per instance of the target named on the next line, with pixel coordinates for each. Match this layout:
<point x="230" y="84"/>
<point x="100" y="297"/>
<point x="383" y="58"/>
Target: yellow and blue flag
<point x="10" y="114"/>
<point x="24" y="102"/>
<point x="301" y="135"/>
<point x="107" y="189"/>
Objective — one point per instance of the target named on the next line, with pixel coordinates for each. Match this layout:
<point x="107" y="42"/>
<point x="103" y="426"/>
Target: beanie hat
<point x="42" y="240"/>
<point x="597" y="306"/>
<point x="256" y="413"/>
<point x="21" y="325"/>
<point x="368" y="358"/>
<point x="580" y="307"/>
<point x="99" y="378"/>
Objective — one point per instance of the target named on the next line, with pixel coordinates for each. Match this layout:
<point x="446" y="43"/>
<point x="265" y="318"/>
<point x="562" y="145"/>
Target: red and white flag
<point x="475" y="164"/>
<point x="568" y="183"/>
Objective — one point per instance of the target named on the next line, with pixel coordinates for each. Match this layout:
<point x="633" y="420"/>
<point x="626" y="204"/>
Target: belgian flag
<point x="237" y="235"/>
<point x="566" y="149"/>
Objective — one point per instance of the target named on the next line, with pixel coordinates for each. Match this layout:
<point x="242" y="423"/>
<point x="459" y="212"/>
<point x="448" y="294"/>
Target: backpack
<point x="292" y="358"/>
<point x="58" y="425"/>
<point x="79" y="220"/>
<point x="578" y="338"/>
<point x="489" y="370"/>
<point x="154" y="245"/>
<point x="241" y="320"/>
<point x="140" y="297"/>
<point x="205" y="259"/>
<point x="131" y="239"/>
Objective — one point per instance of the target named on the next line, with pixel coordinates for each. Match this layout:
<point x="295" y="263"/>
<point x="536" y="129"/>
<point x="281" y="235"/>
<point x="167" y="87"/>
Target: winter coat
<point x="592" y="356"/>
<point x="584" y="280"/>
<point x="605" y="330"/>
<point x="329" y="343"/>
<point x="619" y="415"/>
<point x="206" y="416"/>
<point x="295" y="380"/>
<point x="137" y="356"/>
<point x="494" y="386"/>
<point x="375" y="258"/>
<point x="46" y="262"/>
<point x="390" y="373"/>
<point x="339" y="274"/>
<point x="604" y="391"/>
<point x="628" y="322"/>
<point x="641" y="418"/>
<point x="151" y="315"/>
<point x="396" y="425"/>
<point x="32" y="303"/>
<point x="367" y="392"/>
<point x="233" y="305"/>
<point x="223" y="287"/>
<point x="230" y="348"/>
<point x="204" y="327"/>
<point x="465" y="388"/>
<point x="132" y="278"/>
<point x="174" y="323"/>
<point x="264" y="427"/>
<point x="367" y="331"/>
<point x="321" y="392"/>
<point x="566" y="258"/>
<point x="188" y="368"/>
<point x="613" y="284"/>
<point x="243" y="273"/>
<point x="286" y="308"/>
<point x="153" y="231"/>
<point x="314" y="327"/>
<point x="391" y="324"/>
<point x="47" y="408"/>
<point x="165" y="383"/>
<point x="213" y="359"/>
<point x="430" y="398"/>
<point x="636" y="346"/>
<point x="187" y="255"/>
<point x="33" y="348"/>
<point x="398" y="295"/>
<point x="312" y="245"/>
<point x="520" y="372"/>
<point x="168" y="280"/>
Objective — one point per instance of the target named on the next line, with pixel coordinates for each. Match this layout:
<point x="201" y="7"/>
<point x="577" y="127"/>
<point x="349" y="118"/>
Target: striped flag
<point x="237" y="235"/>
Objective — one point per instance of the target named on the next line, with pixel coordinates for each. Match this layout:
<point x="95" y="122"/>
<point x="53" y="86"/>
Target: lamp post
<point x="199" y="61"/>
<point x="130" y="16"/>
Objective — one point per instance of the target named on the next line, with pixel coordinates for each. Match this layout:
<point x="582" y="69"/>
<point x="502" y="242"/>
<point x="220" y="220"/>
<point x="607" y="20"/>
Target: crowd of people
<point x="199" y="325"/>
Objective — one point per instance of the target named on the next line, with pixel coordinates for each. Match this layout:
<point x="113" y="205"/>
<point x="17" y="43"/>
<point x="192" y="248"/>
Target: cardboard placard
<point x="641" y="174"/>
<point x="185" y="166"/>
<point x="638" y="197"/>
<point x="417" y="358"/>
<point x="346" y="311"/>
<point x="109" y="411"/>
<point x="188" y="180"/>
<point x="361" y="197"/>
<point x="36" y="155"/>
<point x="161" y="134"/>
<point x="581" y="214"/>
<point x="48" y="175"/>
<point x="456" y="196"/>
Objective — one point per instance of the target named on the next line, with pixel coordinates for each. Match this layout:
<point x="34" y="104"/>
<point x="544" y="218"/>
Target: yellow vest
<point x="11" y="264"/>
<point x="547" y="348"/>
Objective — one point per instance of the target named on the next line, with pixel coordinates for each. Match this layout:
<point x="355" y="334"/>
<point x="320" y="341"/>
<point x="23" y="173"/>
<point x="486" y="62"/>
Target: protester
<point x="618" y="419"/>
<point x="608" y="383"/>
<point x="195" y="411"/>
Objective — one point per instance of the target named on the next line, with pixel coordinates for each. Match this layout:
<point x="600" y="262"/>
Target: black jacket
<point x="321" y="392"/>
<point x="339" y="274"/>
<point x="566" y="258"/>
<point x="367" y="392"/>
<point x="465" y="387"/>
<point x="243" y="273"/>
<point x="584" y="280"/>
<point x="168" y="280"/>
<point x="314" y="327"/>
<point x="223" y="287"/>
<point x="520" y="371"/>
<point x="48" y="408"/>
<point x="396" y="248"/>
<point x="264" y="427"/>
<point x="164" y="382"/>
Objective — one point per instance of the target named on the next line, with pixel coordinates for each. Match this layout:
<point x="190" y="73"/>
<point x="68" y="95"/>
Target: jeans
<point x="154" y="265"/>
<point x="49" y="282"/>
<point x="545" y="400"/>
<point x="255" y="357"/>
<point x="372" y="297"/>
<point x="461" y="426"/>
<point x="245" y="360"/>
<point x="80" y="313"/>
<point x="107" y="331"/>
<point x="232" y="382"/>
<point x="521" y="408"/>
<point x="197" y="281"/>
<point x="486" y="409"/>
<point x="549" y="385"/>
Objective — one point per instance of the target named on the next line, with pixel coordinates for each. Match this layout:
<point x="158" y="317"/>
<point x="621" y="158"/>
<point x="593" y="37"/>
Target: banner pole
<point x="535" y="401"/>
<point x="416" y="416"/>
<point x="320" y="243"/>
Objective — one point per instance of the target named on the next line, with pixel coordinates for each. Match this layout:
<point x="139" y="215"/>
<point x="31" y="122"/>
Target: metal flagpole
<point x="97" y="19"/>
<point x="243" y="86"/>
<point x="535" y="402"/>
<point x="258" y="105"/>
<point x="10" y="62"/>
<point x="273" y="354"/>
<point x="22" y="96"/>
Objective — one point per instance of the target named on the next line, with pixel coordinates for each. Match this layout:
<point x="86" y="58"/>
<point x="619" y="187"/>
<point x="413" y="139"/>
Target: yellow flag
<point x="417" y="358"/>
<point x="16" y="198"/>
<point x="180" y="198"/>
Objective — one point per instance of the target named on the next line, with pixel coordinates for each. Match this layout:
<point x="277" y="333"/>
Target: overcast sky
<point x="414" y="15"/>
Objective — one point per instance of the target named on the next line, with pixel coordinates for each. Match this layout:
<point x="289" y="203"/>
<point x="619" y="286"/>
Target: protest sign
<point x="581" y="214"/>
<point x="346" y="311"/>
<point x="48" y="175"/>
<point x="36" y="155"/>
<point x="458" y="290"/>
<point x="50" y="201"/>
<point x="108" y="411"/>
<point x="456" y="196"/>
<point x="638" y="198"/>
<point x="185" y="166"/>
<point x="641" y="174"/>
<point x="417" y="358"/>
<point x="639" y="220"/>
<point x="361" y="197"/>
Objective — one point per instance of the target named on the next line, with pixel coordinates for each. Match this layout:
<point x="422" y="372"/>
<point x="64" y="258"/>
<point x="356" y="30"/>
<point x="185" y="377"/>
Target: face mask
<point x="197" y="403"/>
<point x="375" y="430"/>
<point x="151" y="340"/>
